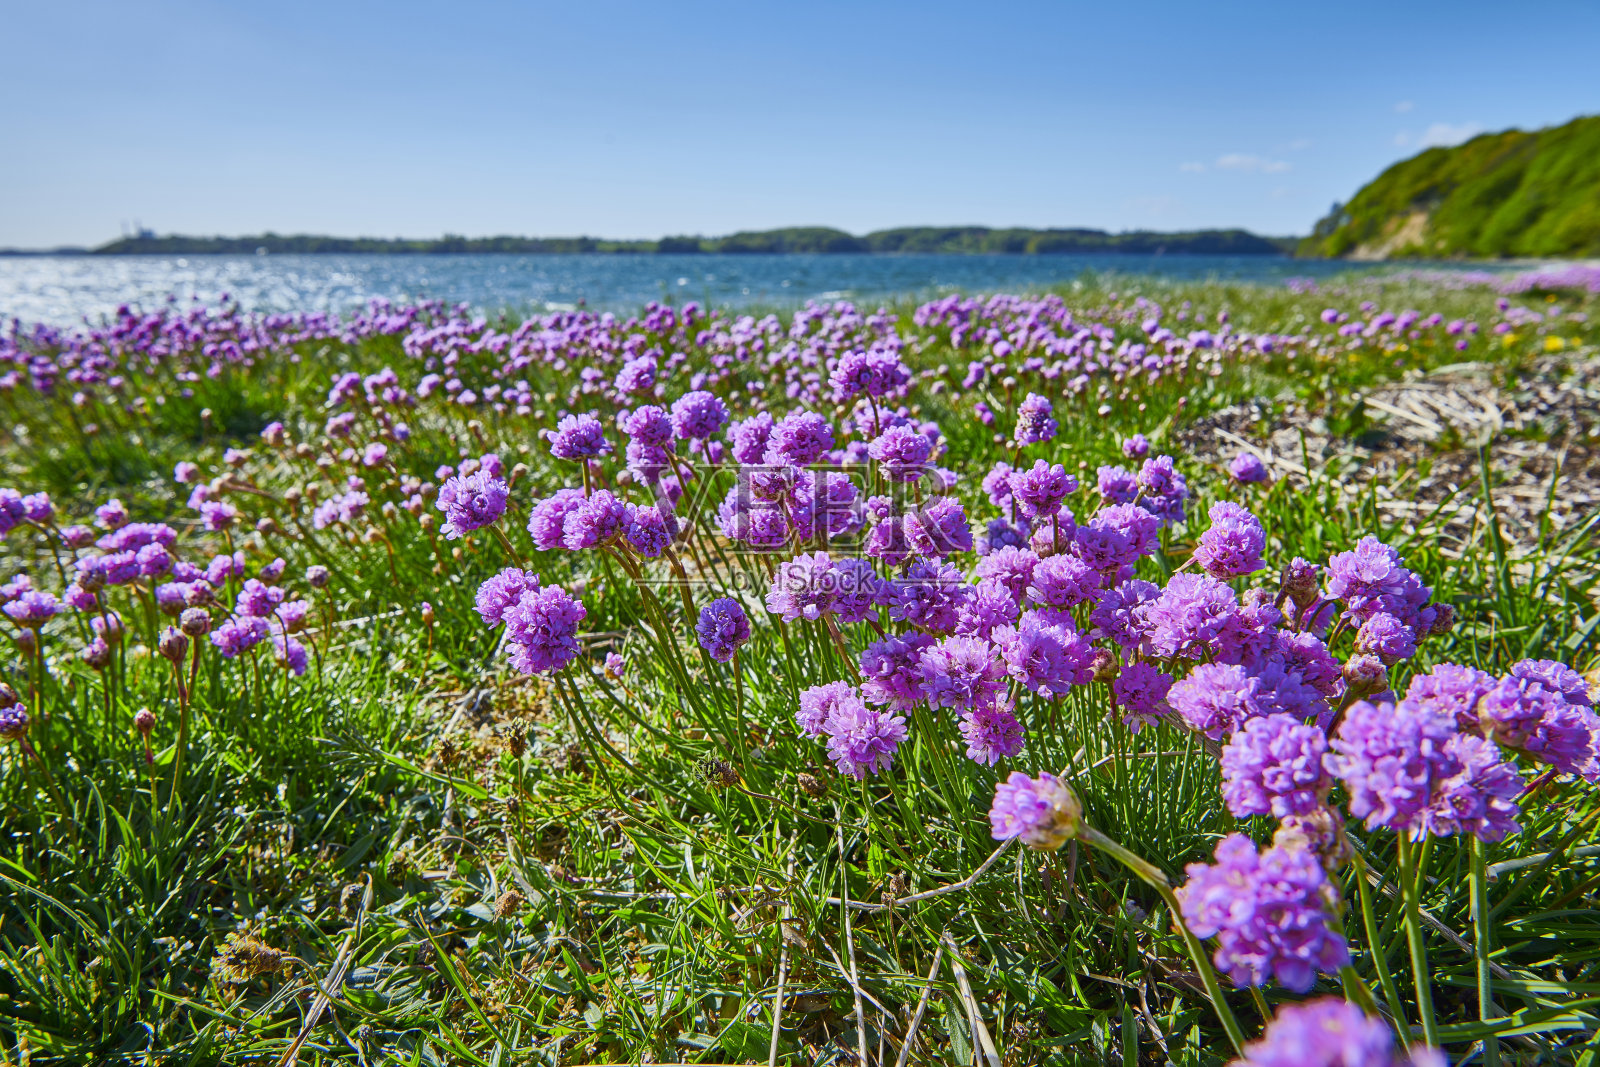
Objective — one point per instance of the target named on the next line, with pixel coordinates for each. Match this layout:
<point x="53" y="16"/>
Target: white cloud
<point x="1251" y="164"/>
<point x="1300" y="144"/>
<point x="1403" y="106"/>
<point x="1444" y="134"/>
<point x="1192" y="168"/>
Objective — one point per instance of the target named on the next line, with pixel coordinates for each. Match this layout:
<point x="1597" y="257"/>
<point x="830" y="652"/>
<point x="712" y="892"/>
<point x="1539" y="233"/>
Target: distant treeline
<point x="798" y="239"/>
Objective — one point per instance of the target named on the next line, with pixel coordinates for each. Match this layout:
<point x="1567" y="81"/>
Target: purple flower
<point x="1453" y="690"/>
<point x="891" y="670"/>
<point x="1247" y="468"/>
<point x="1117" y="536"/>
<point x="1329" y="1032"/>
<point x="1386" y="637"/>
<point x="698" y="415"/>
<point x="747" y="440"/>
<point x="1045" y="653"/>
<point x="32" y="609"/>
<point x="1527" y="715"/>
<point x="548" y="519"/>
<point x="990" y="604"/>
<point x="108" y="516"/>
<point x="997" y="485"/>
<point x="1141" y="692"/>
<point x="38" y="509"/>
<point x="992" y="733"/>
<point x="857" y="589"/>
<point x="153" y="560"/>
<point x="289" y="654"/>
<point x="939" y="528"/>
<point x="1218" y="698"/>
<point x="1040" y="490"/>
<point x="819" y="702"/>
<point x="803" y="588"/>
<point x="999" y="533"/>
<point x="498" y="594"/>
<point x="862" y="740"/>
<point x="874" y="372"/>
<point x="1043" y="812"/>
<point x="218" y="515"/>
<point x="1308" y="657"/>
<point x="1061" y="582"/>
<point x="1011" y="567"/>
<point x="722" y="628"/>
<point x="903" y="452"/>
<point x="471" y="502"/>
<point x="258" y="599"/>
<point x="1195" y="616"/>
<point x="647" y="425"/>
<point x="615" y="666"/>
<point x="930" y="596"/>
<point x="1233" y="543"/>
<point x="1390" y="758"/>
<point x="1034" y="424"/>
<point x="1120" y="612"/>
<point x="1480" y="798"/>
<point x="1370" y="578"/>
<point x="541" y="630"/>
<point x="1273" y="766"/>
<point x="1557" y="676"/>
<point x="961" y="672"/>
<point x="595" y="521"/>
<point x="239" y="635"/>
<point x="1164" y="490"/>
<point x="13" y="722"/>
<point x="577" y="437"/>
<point x="1268" y="912"/>
<point x="801" y="438"/>
<point x="1136" y="447"/>
<point x="646" y="530"/>
<point x="636" y="375"/>
<point x="1117" y="485"/>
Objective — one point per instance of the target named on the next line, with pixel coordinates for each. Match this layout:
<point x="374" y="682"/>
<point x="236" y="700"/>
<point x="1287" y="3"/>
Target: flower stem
<point x="1380" y="958"/>
<point x="1153" y="876"/>
<point x="1410" y="887"/>
<point x="1480" y="947"/>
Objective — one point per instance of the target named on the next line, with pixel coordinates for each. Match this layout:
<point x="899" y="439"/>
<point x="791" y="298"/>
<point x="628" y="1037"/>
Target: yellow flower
<point x="1554" y="344"/>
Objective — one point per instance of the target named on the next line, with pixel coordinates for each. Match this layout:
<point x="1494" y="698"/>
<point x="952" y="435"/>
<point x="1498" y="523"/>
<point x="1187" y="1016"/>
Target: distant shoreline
<point x="805" y="240"/>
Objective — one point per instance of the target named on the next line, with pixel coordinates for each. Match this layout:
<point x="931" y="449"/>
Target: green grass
<point x="554" y="877"/>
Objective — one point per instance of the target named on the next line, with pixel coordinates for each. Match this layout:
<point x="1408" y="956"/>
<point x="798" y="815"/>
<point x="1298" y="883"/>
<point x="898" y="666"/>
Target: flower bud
<point x="1298" y="583"/>
<point x="195" y="622"/>
<point x="811" y="785"/>
<point x="1444" y="620"/>
<point x="96" y="654"/>
<point x="1043" y="812"/>
<point x="1106" y="666"/>
<point x="144" y="720"/>
<point x="316" y="576"/>
<point x="1321" y="831"/>
<point x="1365" y="675"/>
<point x="8" y="695"/>
<point x="13" y="722"/>
<point x="426" y="611"/>
<point x="174" y="644"/>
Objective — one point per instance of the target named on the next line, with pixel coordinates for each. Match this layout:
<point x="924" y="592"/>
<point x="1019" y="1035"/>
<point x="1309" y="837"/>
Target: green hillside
<point x="1500" y="194"/>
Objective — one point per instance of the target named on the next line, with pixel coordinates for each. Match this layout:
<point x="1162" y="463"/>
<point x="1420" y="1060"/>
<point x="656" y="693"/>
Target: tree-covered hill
<point x="795" y="239"/>
<point x="1514" y="193"/>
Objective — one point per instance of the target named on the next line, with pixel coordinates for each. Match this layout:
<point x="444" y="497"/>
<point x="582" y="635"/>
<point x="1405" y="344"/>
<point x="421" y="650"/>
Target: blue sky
<point x="640" y="119"/>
